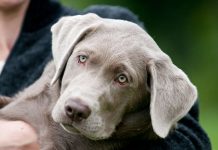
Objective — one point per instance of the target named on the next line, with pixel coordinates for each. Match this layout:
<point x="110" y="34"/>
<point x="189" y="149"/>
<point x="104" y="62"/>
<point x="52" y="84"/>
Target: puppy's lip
<point x="69" y="128"/>
<point x="72" y="130"/>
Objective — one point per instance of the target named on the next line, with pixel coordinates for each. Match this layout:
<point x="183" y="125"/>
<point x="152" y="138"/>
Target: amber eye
<point x="82" y="59"/>
<point x="122" y="79"/>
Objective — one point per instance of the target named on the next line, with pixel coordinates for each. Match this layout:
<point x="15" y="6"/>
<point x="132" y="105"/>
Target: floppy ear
<point x="66" y="34"/>
<point x="172" y="94"/>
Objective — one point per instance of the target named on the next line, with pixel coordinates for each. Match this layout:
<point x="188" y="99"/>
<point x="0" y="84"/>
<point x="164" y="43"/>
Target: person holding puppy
<point x="25" y="49"/>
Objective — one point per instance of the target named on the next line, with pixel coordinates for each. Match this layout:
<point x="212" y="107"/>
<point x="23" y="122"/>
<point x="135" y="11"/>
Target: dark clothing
<point x="32" y="51"/>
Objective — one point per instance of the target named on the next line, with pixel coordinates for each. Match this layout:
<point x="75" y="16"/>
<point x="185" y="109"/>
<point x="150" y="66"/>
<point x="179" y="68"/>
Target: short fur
<point x="156" y="95"/>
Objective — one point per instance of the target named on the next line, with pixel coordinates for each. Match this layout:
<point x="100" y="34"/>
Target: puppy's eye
<point x="122" y="79"/>
<point x="82" y="59"/>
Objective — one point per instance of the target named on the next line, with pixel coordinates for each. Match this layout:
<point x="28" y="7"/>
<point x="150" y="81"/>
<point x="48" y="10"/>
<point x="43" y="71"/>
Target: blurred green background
<point x="187" y="30"/>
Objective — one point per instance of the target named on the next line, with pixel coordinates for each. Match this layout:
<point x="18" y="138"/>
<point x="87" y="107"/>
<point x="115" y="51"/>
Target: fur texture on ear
<point x="172" y="94"/>
<point x="66" y="34"/>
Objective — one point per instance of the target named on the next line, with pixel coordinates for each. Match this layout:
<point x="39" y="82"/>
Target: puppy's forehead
<point x="116" y="43"/>
<point x="115" y="36"/>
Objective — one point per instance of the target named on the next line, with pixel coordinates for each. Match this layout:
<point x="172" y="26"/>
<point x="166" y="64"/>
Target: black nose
<point x="76" y="110"/>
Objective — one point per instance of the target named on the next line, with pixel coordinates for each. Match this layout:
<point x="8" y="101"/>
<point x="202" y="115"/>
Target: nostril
<point x="82" y="112"/>
<point x="80" y="115"/>
<point x="68" y="110"/>
<point x="85" y="112"/>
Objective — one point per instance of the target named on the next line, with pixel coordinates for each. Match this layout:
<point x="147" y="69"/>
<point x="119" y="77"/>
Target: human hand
<point x="17" y="135"/>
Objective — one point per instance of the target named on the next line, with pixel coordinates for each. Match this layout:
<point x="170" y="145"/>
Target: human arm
<point x="17" y="135"/>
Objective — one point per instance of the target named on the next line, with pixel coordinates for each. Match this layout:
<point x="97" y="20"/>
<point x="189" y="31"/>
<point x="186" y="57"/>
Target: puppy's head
<point x="110" y="68"/>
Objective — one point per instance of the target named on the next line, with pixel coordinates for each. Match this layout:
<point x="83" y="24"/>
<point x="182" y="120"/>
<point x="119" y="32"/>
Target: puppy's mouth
<point x="69" y="128"/>
<point x="73" y="130"/>
<point x="93" y="128"/>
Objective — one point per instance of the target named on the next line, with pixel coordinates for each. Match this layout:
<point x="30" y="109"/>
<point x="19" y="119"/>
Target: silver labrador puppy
<point x="109" y="81"/>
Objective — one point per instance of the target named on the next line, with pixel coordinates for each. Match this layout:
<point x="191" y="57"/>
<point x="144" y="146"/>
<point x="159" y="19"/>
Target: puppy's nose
<point x="76" y="110"/>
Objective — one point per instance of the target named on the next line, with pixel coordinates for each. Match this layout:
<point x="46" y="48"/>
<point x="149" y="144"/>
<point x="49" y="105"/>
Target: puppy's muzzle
<point x="76" y="110"/>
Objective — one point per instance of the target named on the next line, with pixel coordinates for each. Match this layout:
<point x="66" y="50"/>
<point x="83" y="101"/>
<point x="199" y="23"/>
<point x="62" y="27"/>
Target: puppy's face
<point x="106" y="68"/>
<point x="107" y="78"/>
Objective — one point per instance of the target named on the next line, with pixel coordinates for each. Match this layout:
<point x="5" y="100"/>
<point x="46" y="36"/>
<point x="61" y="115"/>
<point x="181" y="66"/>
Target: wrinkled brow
<point x="85" y="51"/>
<point x="117" y="68"/>
<point x="125" y="68"/>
